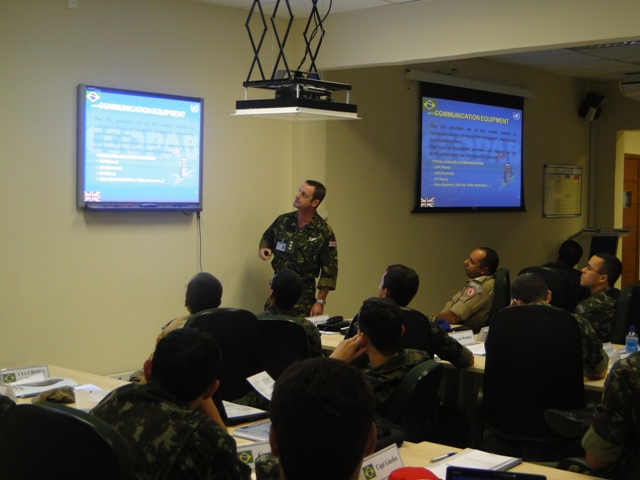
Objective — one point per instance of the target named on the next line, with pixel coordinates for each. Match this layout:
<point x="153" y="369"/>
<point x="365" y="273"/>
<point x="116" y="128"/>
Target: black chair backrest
<point x="627" y="313"/>
<point x="413" y="403"/>
<point x="236" y="332"/>
<point x="417" y="334"/>
<point x="501" y="292"/>
<point x="533" y="362"/>
<point x="283" y="342"/>
<point x="417" y="331"/>
<point x="58" y="442"/>
<point x="560" y="294"/>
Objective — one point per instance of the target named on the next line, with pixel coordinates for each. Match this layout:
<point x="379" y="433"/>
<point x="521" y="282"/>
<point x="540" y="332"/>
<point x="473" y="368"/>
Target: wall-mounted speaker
<point x="591" y="107"/>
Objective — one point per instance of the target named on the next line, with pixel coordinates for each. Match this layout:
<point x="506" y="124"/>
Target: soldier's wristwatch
<point x="321" y="302"/>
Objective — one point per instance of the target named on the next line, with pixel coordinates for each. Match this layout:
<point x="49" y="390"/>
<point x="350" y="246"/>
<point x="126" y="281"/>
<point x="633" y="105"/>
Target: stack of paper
<point x="471" y="458"/>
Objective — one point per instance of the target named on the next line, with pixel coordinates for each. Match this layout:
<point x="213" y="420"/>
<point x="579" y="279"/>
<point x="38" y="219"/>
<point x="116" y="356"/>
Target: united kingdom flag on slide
<point x="428" y="202"/>
<point x="92" y="196"/>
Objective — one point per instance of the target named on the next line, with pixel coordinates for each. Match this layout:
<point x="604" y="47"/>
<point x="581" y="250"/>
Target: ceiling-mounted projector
<point x="299" y="95"/>
<point x="630" y="86"/>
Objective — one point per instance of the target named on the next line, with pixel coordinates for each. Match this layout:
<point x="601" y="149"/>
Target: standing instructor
<point x="304" y="242"/>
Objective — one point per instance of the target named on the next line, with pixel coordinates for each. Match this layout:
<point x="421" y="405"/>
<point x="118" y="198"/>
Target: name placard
<point x="465" y="337"/>
<point x="15" y="374"/>
<point x="482" y="336"/>
<point x="249" y="453"/>
<point x="380" y="464"/>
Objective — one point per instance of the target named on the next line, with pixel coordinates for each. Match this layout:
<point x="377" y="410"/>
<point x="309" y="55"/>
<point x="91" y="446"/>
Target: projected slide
<point x="471" y="155"/>
<point x="140" y="147"/>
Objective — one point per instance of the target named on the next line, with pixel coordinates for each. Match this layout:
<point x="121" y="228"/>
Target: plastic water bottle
<point x="631" y="342"/>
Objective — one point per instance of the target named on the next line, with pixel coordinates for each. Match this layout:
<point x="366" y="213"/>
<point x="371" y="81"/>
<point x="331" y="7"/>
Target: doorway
<point x="630" y="219"/>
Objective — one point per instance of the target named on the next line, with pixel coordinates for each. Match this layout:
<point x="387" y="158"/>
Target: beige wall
<point x="371" y="167"/>
<point x="619" y="114"/>
<point x="438" y="30"/>
<point x="90" y="291"/>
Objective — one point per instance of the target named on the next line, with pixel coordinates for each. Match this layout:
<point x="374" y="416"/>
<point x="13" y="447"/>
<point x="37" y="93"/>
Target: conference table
<point x="474" y="373"/>
<point x="420" y="454"/>
<point x="412" y="454"/>
<point x="106" y="384"/>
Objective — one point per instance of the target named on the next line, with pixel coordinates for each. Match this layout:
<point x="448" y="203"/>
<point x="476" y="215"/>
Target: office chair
<point x="283" y="342"/>
<point x="533" y="362"/>
<point x="556" y="283"/>
<point x="501" y="292"/>
<point x="236" y="332"/>
<point x="414" y="402"/>
<point x="54" y="441"/>
<point x="417" y="331"/>
<point x="627" y="313"/>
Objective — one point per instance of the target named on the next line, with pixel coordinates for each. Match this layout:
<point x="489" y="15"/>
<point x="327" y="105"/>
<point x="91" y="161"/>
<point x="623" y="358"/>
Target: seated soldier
<point x="599" y="308"/>
<point x="171" y="424"/>
<point x="531" y="289"/>
<point x="285" y="290"/>
<point x="204" y="291"/>
<point x="472" y="305"/>
<point x="380" y="329"/>
<point x="321" y="407"/>
<point x="400" y="283"/>
<point x="612" y="443"/>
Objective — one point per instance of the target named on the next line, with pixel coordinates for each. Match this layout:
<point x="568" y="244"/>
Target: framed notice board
<point x="562" y="191"/>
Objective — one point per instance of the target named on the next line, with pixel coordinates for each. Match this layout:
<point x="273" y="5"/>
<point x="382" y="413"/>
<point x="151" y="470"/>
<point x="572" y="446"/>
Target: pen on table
<point x="442" y="457"/>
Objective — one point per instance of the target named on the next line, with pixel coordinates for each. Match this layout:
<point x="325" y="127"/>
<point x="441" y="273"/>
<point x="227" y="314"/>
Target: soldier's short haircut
<point x="611" y="267"/>
<point x="287" y="288"/>
<point x="528" y="288"/>
<point x="570" y="252"/>
<point x="321" y="406"/>
<point x="490" y="260"/>
<point x="380" y="319"/>
<point x="402" y="283"/>
<point x="204" y="291"/>
<point x="185" y="363"/>
<point x="319" y="191"/>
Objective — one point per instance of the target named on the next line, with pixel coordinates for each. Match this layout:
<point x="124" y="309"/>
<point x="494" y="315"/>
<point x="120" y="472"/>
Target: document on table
<point x="477" y="349"/>
<point x="472" y="458"/>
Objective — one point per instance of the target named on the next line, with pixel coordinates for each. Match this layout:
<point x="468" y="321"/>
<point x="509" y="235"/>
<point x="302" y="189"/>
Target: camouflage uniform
<point x="614" y="436"/>
<point x="474" y="301"/>
<point x="447" y="348"/>
<point x="385" y="378"/>
<point x="309" y="251"/>
<point x="600" y="309"/>
<point x="594" y="359"/>
<point x="313" y="335"/>
<point x="268" y="467"/>
<point x="6" y="404"/>
<point x="166" y="439"/>
<point x="439" y="343"/>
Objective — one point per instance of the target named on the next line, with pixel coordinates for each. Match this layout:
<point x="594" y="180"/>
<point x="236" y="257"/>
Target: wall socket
<point x="73" y="4"/>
